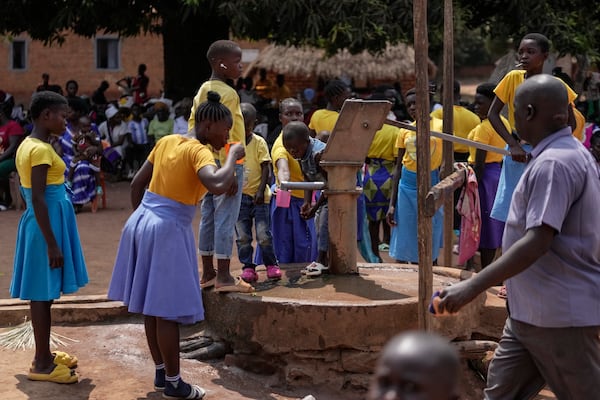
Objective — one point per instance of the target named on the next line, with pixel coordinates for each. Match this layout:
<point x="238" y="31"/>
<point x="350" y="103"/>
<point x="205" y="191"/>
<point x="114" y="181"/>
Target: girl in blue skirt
<point x="48" y="257"/>
<point x="156" y="269"/>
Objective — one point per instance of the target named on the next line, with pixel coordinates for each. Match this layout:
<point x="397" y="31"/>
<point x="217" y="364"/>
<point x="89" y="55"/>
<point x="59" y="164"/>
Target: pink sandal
<point x="249" y="275"/>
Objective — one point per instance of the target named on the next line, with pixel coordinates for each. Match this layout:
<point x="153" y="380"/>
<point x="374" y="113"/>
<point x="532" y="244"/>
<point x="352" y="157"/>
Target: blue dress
<point x="404" y="237"/>
<point x="33" y="279"/>
<point x="156" y="269"/>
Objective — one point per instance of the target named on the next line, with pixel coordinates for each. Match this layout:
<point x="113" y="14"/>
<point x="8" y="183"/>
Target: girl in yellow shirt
<point x="156" y="269"/>
<point x="48" y="258"/>
<point x="402" y="212"/>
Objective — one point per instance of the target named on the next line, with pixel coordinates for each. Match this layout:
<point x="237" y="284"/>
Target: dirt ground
<point x="113" y="358"/>
<point x="99" y="232"/>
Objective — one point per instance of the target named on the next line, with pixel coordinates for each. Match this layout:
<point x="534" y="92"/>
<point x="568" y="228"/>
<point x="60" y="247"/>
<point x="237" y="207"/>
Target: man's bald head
<point x="541" y="107"/>
<point x="416" y="365"/>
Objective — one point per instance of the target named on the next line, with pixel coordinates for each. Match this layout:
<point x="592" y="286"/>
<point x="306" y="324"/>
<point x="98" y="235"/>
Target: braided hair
<point x="334" y="88"/>
<point x="212" y="109"/>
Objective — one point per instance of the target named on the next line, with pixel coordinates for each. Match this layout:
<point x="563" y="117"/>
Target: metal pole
<point x="423" y="164"/>
<point x="448" y="160"/>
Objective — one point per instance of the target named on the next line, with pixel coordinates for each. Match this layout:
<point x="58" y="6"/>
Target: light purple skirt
<point x="156" y="269"/>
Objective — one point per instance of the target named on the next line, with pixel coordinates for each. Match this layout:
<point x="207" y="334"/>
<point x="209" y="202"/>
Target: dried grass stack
<point x="394" y="63"/>
<point x="21" y="337"/>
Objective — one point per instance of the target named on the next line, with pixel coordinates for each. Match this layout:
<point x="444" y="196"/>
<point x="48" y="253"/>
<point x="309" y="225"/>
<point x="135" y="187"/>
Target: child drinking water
<point x="296" y="237"/>
<point x="305" y="149"/>
<point x="48" y="257"/>
<point x="158" y="276"/>
<point x="256" y="196"/>
<point x="220" y="212"/>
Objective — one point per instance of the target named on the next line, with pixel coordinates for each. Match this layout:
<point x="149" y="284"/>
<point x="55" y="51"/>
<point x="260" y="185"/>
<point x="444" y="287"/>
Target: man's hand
<point x="456" y="296"/>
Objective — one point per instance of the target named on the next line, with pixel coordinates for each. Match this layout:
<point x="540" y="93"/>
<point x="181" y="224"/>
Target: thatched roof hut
<point x="395" y="63"/>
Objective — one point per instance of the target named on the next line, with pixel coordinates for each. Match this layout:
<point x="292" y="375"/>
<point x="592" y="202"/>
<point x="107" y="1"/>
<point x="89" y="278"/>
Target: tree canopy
<point x="188" y="26"/>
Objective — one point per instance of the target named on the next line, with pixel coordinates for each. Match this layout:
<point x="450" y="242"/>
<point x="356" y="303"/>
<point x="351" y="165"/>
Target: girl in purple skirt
<point x="487" y="166"/>
<point x="156" y="269"/>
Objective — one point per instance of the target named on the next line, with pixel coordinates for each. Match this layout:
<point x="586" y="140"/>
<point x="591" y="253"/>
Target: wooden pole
<point x="423" y="164"/>
<point x="448" y="158"/>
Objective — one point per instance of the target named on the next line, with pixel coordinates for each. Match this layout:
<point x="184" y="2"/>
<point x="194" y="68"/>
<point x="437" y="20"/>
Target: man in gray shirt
<point x="550" y="261"/>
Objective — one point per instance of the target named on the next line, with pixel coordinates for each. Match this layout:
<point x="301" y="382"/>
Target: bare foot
<point x="208" y="274"/>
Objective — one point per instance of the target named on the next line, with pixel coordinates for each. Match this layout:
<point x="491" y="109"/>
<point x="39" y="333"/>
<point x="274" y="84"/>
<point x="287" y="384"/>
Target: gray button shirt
<point x="560" y="188"/>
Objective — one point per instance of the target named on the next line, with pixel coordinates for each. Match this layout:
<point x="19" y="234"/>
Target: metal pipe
<point x="286" y="185"/>
<point x="451" y="138"/>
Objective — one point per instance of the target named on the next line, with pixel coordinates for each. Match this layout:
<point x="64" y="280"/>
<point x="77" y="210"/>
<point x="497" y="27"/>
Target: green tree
<point x="189" y="26"/>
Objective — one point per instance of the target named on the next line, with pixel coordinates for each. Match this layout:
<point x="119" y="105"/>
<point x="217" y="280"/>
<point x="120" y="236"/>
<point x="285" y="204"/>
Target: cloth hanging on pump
<point x="470" y="210"/>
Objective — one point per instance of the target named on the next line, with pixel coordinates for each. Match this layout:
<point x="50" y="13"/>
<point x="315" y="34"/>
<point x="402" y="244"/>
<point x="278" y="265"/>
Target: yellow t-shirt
<point x="323" y="120"/>
<point x="257" y="152"/>
<point x="580" y="124"/>
<point x="384" y="143"/>
<point x="177" y="160"/>
<point x="505" y="91"/>
<point x="408" y="140"/>
<point x="485" y="133"/>
<point x="231" y="100"/>
<point x="32" y="152"/>
<point x="464" y="122"/>
<point x="279" y="152"/>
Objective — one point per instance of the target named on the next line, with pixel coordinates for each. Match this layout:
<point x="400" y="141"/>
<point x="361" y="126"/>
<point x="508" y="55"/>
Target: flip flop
<point x="208" y="284"/>
<point x="196" y="393"/>
<point x="60" y="357"/>
<point x="60" y="374"/>
<point x="315" y="269"/>
<point x="239" y="286"/>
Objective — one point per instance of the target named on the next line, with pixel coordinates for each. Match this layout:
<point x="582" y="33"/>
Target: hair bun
<point x="213" y="97"/>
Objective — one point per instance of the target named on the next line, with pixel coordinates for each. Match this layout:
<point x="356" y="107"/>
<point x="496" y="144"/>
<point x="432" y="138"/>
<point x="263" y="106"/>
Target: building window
<point x="108" y="53"/>
<point x="19" y="54"/>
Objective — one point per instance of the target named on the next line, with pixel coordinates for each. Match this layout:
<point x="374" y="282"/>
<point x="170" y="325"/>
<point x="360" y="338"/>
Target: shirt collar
<point x="309" y="149"/>
<point x="541" y="146"/>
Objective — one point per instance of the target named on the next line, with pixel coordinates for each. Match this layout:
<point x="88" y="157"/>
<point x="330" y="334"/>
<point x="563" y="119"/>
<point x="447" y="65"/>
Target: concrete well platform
<point x="327" y="330"/>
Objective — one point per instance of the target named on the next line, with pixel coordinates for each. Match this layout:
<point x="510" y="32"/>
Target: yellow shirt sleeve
<point x="231" y="100"/>
<point x="33" y="152"/>
<point x="323" y="120"/>
<point x="177" y="160"/>
<point x="279" y="152"/>
<point x="384" y="143"/>
<point x="486" y="134"/>
<point x="505" y="91"/>
<point x="408" y="140"/>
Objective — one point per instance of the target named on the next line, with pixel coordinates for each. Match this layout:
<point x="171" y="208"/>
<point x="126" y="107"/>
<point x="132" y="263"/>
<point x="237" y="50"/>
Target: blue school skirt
<point x="33" y="279"/>
<point x="404" y="241"/>
<point x="294" y="238"/>
<point x="509" y="177"/>
<point x="156" y="269"/>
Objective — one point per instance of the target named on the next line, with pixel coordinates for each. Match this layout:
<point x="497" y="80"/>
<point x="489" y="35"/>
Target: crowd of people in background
<point x="231" y="147"/>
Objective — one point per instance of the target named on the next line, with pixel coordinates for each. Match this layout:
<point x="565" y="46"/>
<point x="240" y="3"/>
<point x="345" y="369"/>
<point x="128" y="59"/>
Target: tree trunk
<point x="186" y="40"/>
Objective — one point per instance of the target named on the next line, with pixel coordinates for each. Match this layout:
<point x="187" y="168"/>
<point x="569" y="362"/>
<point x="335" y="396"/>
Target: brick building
<point x="86" y="60"/>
